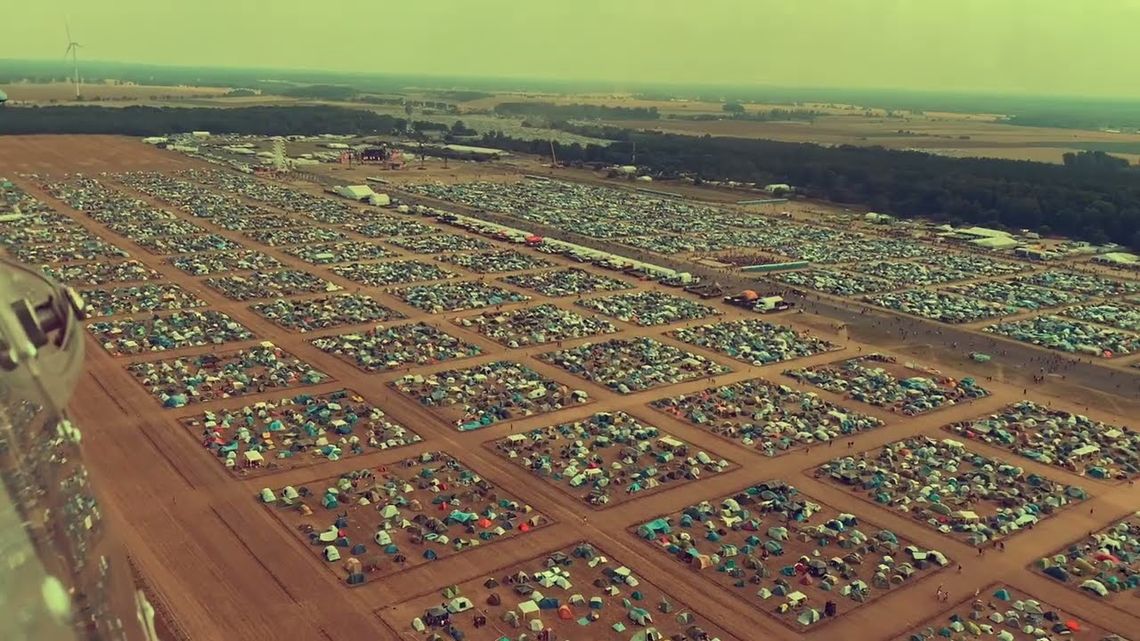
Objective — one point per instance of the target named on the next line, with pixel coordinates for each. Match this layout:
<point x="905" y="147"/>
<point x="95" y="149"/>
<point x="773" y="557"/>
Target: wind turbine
<point x="73" y="49"/>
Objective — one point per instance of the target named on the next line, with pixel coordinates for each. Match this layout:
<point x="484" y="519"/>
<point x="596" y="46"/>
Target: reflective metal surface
<point x="62" y="577"/>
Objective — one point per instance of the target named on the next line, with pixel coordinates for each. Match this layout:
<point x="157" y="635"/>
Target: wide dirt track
<point x="224" y="568"/>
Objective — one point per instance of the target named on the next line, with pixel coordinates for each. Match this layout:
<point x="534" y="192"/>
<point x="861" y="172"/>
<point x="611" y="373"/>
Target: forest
<point x="157" y="121"/>
<point x="1090" y="198"/>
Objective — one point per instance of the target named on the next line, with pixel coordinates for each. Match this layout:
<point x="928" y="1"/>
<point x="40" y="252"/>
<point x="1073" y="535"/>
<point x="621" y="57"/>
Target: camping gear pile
<point x="34" y="212"/>
<point x="1020" y="295"/>
<point x="296" y="431"/>
<point x="649" y="308"/>
<point x="1069" y="335"/>
<point x="753" y="341"/>
<point x="285" y="282"/>
<point x="903" y="274"/>
<point x="505" y="260"/>
<point x="952" y="489"/>
<point x="388" y="227"/>
<point x="944" y="308"/>
<point x="66" y="252"/>
<point x="349" y="251"/>
<point x="1054" y="437"/>
<point x="329" y="311"/>
<point x="773" y="419"/>
<point x="1005" y="614"/>
<point x="877" y="380"/>
<point x="565" y="594"/>
<point x="536" y="325"/>
<point x="167" y="245"/>
<point x="455" y="297"/>
<point x="835" y="282"/>
<point x="821" y="245"/>
<point x="608" y="457"/>
<point x="242" y="222"/>
<point x="1105" y="564"/>
<point x="387" y="348"/>
<point x="489" y="393"/>
<point x="438" y="243"/>
<point x="133" y="299"/>
<point x="140" y="230"/>
<point x="1126" y="317"/>
<point x="971" y="265"/>
<point x="307" y="235"/>
<point x="68" y="232"/>
<point x="324" y="210"/>
<point x="565" y="282"/>
<point x="376" y="522"/>
<point x="199" y="201"/>
<point x="161" y="332"/>
<point x="104" y="204"/>
<point x="391" y="273"/>
<point x="601" y="212"/>
<point x="670" y="244"/>
<point x="795" y="557"/>
<point x="244" y="260"/>
<point x="101" y="273"/>
<point x="208" y="377"/>
<point x="633" y="364"/>
<point x="1087" y="284"/>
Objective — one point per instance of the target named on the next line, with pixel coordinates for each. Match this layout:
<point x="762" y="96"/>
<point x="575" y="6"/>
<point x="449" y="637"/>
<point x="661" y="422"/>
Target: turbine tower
<point x="73" y="49"/>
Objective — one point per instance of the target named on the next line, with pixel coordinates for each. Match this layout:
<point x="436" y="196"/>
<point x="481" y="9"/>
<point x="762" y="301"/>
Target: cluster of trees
<point x="319" y="92"/>
<point x="157" y="121"/>
<point x="1099" y="205"/>
<point x="758" y="116"/>
<point x="553" y="112"/>
<point x="1093" y="161"/>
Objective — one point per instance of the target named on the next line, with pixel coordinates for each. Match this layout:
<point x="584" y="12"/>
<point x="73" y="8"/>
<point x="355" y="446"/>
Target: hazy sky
<point x="1037" y="46"/>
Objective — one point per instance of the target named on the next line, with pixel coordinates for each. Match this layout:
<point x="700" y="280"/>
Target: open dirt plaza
<point x="331" y="458"/>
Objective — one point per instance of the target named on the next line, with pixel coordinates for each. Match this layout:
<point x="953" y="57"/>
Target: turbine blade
<point x="67" y="26"/>
<point x="67" y="52"/>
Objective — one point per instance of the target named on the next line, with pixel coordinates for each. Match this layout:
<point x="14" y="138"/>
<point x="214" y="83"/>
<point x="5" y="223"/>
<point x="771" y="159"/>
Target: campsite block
<point x="880" y="380"/>
<point x="559" y="608"/>
<point x="916" y="474"/>
<point x="470" y="502"/>
<point x="1008" y="614"/>
<point x="566" y="282"/>
<point x="631" y="365"/>
<point x="724" y="535"/>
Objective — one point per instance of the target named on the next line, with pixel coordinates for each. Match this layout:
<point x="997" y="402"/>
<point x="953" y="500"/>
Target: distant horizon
<point x="581" y="85"/>
<point x="1002" y="47"/>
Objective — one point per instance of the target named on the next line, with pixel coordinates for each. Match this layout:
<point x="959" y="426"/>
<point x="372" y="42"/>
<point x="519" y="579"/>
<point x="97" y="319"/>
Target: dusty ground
<point x="224" y="568"/>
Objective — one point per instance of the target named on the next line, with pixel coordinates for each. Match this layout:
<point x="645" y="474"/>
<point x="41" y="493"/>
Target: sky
<point x="1048" y="47"/>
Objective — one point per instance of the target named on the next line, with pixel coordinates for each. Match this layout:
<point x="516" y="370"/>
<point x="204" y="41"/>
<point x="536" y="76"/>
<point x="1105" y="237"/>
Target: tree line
<point x="553" y="112"/>
<point x="157" y="121"/>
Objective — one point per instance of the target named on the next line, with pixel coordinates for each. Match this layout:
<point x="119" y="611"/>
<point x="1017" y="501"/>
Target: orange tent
<point x="564" y="612"/>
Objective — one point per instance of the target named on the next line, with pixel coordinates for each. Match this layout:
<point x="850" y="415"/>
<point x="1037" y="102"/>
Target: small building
<point x="355" y="192"/>
<point x="200" y="135"/>
<point x="981" y="232"/>
<point x="778" y="188"/>
<point x="995" y="242"/>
